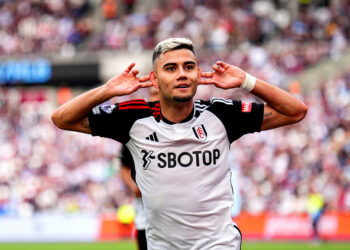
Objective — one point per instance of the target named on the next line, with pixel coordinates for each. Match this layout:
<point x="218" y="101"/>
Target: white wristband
<point x="249" y="82"/>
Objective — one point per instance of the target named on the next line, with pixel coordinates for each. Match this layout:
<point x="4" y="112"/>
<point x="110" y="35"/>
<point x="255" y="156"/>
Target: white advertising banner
<point x="50" y="228"/>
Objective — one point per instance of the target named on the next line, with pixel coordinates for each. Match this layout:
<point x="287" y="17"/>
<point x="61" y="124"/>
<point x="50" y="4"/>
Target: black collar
<point x="189" y="117"/>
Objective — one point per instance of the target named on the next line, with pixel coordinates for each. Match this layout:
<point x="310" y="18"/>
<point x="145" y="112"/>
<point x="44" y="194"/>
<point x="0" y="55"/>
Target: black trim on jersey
<point x="188" y="118"/>
<point x="236" y="122"/>
<point x="155" y="107"/>
<point x="240" y="246"/>
<point x="200" y="106"/>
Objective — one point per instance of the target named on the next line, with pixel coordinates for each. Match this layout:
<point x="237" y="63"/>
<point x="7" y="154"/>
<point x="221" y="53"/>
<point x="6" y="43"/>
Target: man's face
<point x="177" y="75"/>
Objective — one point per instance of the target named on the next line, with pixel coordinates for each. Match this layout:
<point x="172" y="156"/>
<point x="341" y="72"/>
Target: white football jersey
<point x="182" y="169"/>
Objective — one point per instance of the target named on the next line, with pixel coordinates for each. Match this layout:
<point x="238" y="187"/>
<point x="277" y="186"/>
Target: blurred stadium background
<point x="58" y="186"/>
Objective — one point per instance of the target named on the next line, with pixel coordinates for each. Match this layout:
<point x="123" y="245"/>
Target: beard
<point x="182" y="98"/>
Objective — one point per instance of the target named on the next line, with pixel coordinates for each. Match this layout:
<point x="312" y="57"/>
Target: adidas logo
<point x="152" y="137"/>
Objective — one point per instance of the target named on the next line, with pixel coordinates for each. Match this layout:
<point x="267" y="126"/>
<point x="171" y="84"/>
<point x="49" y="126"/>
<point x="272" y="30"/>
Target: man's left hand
<point x="225" y="76"/>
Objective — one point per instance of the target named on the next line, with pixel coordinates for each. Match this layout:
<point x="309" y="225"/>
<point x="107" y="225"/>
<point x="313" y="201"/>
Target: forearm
<point x="125" y="174"/>
<point x="72" y="115"/>
<point x="278" y="99"/>
<point x="281" y="107"/>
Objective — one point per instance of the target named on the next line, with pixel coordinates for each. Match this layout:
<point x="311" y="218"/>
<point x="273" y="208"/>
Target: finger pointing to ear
<point x="207" y="74"/>
<point x="144" y="78"/>
<point x="207" y="81"/>
<point x="146" y="84"/>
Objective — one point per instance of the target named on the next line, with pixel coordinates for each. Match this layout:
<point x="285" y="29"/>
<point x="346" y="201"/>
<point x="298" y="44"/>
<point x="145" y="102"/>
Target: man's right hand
<point x="127" y="82"/>
<point x="73" y="115"/>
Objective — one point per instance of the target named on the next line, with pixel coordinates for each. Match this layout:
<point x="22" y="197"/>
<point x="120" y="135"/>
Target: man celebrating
<point x="180" y="146"/>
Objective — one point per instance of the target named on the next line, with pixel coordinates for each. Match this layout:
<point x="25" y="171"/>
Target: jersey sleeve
<point x="238" y="117"/>
<point x="115" y="121"/>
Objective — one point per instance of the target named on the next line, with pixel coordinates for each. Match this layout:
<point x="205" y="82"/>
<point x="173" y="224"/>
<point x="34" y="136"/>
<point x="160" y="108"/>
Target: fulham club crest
<point x="200" y="132"/>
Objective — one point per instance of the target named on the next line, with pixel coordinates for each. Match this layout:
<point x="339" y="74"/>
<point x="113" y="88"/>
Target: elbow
<point x="302" y="111"/>
<point x="56" y="118"/>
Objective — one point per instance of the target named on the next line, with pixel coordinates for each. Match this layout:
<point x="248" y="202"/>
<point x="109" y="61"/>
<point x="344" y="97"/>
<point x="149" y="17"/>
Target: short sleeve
<point x="115" y="121"/>
<point x="238" y="117"/>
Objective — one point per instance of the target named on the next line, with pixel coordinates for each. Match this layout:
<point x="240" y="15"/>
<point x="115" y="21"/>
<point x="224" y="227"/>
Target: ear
<point x="199" y="74"/>
<point x="153" y="78"/>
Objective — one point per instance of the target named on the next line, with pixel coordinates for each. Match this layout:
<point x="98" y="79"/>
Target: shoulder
<point x="238" y="117"/>
<point x="133" y="104"/>
<point x="135" y="108"/>
<point x="216" y="104"/>
<point x="142" y="107"/>
<point x="115" y="121"/>
<point x="214" y="101"/>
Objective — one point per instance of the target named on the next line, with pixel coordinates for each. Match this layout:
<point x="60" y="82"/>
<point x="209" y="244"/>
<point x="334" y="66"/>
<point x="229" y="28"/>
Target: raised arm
<point x="281" y="108"/>
<point x="73" y="115"/>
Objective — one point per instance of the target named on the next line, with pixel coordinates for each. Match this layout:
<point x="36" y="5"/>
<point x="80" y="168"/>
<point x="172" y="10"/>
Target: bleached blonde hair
<point x="171" y="44"/>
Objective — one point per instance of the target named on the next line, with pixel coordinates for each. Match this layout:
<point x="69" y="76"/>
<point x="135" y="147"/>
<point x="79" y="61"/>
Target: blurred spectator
<point x="315" y="208"/>
<point x="129" y="5"/>
<point x="109" y="8"/>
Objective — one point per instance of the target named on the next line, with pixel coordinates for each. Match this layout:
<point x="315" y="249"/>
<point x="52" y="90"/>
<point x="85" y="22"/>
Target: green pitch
<point x="294" y="246"/>
<point x="120" y="245"/>
<point x="129" y="245"/>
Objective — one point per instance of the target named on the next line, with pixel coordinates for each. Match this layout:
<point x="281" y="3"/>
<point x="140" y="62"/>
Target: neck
<point x="176" y="112"/>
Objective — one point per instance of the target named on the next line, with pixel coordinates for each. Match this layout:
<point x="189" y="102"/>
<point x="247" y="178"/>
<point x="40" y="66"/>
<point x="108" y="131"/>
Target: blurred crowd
<point x="261" y="35"/>
<point x="45" y="169"/>
<point x="43" y="26"/>
<point x="282" y="167"/>
<point x="245" y="32"/>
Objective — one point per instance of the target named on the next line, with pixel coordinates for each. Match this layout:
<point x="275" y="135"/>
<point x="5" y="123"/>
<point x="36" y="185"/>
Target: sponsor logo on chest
<point x="183" y="159"/>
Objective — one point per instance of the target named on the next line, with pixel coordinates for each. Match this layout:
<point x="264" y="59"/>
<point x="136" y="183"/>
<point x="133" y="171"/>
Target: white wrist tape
<point x="249" y="82"/>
